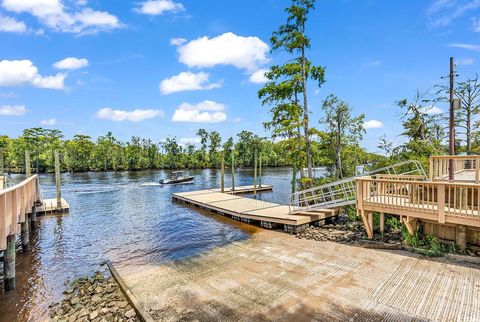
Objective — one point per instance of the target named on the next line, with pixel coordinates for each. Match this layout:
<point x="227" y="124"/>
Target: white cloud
<point x="187" y="81"/>
<point x="442" y="12"/>
<point x="9" y="24"/>
<point x="433" y="110"/>
<point x="258" y="77"/>
<point x="203" y="112"/>
<point x="159" y="7"/>
<point x="177" y="41"/>
<point x="476" y="25"/>
<point x="48" y="122"/>
<point x="71" y="63"/>
<point x="465" y="46"/>
<point x="13" y="110"/>
<point x="133" y="116"/>
<point x="248" y="53"/>
<point x="465" y="61"/>
<point x="55" y="15"/>
<point x="373" y="124"/>
<point x="24" y="72"/>
<point x="185" y="141"/>
<point x="373" y="63"/>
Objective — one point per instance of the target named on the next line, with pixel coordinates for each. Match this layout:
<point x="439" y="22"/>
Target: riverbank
<point x="93" y="298"/>
<point x="275" y="276"/>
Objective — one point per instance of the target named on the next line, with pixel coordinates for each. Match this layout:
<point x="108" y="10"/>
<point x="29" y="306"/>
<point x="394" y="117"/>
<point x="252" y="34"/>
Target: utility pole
<point x="451" y="147"/>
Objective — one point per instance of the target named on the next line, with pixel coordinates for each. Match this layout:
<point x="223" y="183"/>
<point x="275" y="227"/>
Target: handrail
<point x="18" y="185"/>
<point x="15" y="203"/>
<point x="414" y="198"/>
<point x="440" y="167"/>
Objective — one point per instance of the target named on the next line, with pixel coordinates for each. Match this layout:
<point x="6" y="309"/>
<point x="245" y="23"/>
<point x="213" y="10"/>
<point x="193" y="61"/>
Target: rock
<point x="130" y="314"/>
<point x="74" y="300"/>
<point x="122" y="304"/>
<point x="99" y="289"/>
<point x="93" y="315"/>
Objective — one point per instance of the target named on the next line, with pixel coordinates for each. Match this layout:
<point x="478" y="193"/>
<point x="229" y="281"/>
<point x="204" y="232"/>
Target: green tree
<point x="291" y="37"/>
<point x="342" y="129"/>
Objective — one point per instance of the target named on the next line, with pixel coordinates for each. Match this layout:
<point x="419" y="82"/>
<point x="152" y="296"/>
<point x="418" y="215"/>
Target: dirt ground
<point x="277" y="277"/>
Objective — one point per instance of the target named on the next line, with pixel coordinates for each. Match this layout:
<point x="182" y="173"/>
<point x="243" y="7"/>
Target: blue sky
<point x="164" y="68"/>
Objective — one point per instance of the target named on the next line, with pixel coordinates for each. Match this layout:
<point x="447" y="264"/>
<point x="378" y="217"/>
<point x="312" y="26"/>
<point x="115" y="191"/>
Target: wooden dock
<point x="49" y="206"/>
<point x="266" y="214"/>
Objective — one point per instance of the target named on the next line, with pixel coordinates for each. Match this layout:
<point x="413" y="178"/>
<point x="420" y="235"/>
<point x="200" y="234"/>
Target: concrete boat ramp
<point x="266" y="214"/>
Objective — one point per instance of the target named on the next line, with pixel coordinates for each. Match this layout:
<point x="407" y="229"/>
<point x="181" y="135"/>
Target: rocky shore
<point x="93" y="298"/>
<point x="344" y="231"/>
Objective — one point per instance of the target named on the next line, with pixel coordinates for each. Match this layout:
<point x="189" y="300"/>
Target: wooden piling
<point x="222" y="176"/>
<point x="255" y="174"/>
<point x="9" y="264"/>
<point x="294" y="179"/>
<point x="28" y="168"/>
<point x="25" y="235"/>
<point x="260" y="169"/>
<point x="57" y="181"/>
<point x="461" y="236"/>
<point x="233" y="170"/>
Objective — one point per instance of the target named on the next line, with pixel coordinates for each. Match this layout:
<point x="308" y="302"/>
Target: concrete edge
<point x="142" y="314"/>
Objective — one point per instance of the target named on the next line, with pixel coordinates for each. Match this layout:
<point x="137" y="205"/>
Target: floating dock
<point x="49" y="206"/>
<point x="266" y="214"/>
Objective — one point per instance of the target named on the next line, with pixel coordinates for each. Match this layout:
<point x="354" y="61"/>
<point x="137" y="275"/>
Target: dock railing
<point x="15" y="203"/>
<point x="454" y="202"/>
<point x="469" y="165"/>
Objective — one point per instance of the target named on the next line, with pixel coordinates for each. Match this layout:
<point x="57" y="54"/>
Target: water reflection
<point x="124" y="217"/>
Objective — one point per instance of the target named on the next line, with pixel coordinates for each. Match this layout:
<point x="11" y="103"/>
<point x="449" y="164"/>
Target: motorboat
<point x="177" y="177"/>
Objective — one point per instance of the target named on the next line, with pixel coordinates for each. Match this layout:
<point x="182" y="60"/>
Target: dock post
<point x="233" y="169"/>
<point x="9" y="264"/>
<point x="294" y="178"/>
<point x="255" y="174"/>
<point x="222" y="176"/>
<point x="25" y="235"/>
<point x="260" y="169"/>
<point x="461" y="236"/>
<point x="33" y="217"/>
<point x="28" y="168"/>
<point x="57" y="181"/>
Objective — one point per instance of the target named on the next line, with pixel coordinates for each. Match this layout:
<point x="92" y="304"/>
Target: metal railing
<point x="341" y="193"/>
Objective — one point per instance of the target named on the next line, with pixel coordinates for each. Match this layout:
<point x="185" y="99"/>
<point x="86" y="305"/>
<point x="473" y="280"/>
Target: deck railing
<point x="414" y="198"/>
<point x="15" y="203"/>
<point x="468" y="164"/>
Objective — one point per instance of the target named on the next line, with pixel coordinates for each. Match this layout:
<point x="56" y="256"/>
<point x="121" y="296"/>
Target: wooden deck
<point x="49" y="206"/>
<point x="267" y="214"/>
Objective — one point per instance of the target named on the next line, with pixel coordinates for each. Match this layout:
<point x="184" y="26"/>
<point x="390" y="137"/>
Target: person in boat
<point x="177" y="177"/>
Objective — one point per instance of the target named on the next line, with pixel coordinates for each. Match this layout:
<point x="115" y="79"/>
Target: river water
<point x="124" y="217"/>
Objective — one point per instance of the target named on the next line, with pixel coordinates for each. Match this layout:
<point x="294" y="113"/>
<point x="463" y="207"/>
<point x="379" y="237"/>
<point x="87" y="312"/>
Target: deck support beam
<point x="461" y="236"/>
<point x="411" y="224"/>
<point x="382" y="222"/>
<point x="9" y="264"/>
<point x="366" y="216"/>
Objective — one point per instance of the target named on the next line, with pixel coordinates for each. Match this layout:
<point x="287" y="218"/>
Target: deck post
<point x="255" y="173"/>
<point x="461" y="236"/>
<point x="28" y="168"/>
<point x="382" y="222"/>
<point x="222" y="175"/>
<point x="233" y="169"/>
<point x="25" y="235"/>
<point x="430" y="168"/>
<point x="57" y="181"/>
<point x="9" y="264"/>
<point x="294" y="178"/>
<point x="477" y="170"/>
<point x="441" y="203"/>
<point x="366" y="223"/>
